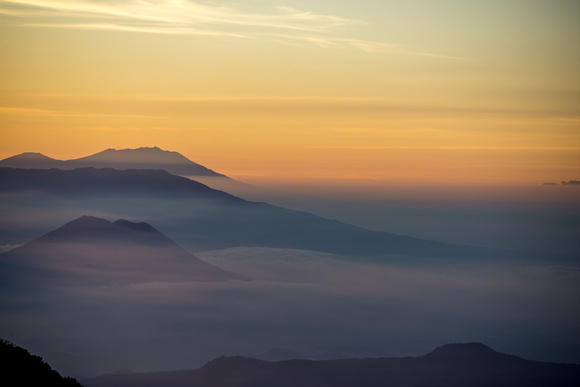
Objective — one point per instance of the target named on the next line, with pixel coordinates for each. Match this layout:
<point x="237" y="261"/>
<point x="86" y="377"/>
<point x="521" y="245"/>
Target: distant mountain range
<point x="94" y="251"/>
<point x="141" y="158"/>
<point x="107" y="181"/>
<point x="452" y="365"/>
<point x="201" y="218"/>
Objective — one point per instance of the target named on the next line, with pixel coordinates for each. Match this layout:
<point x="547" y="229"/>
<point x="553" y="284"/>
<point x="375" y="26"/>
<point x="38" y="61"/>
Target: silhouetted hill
<point x="202" y="218"/>
<point x="94" y="251"/>
<point x="470" y="352"/>
<point x="445" y="366"/>
<point x="141" y="158"/>
<point x="20" y="368"/>
<point x="32" y="160"/>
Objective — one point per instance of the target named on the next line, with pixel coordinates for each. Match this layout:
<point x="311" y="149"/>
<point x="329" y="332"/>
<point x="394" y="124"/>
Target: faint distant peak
<point x="31" y="160"/>
<point x="462" y="351"/>
<point x="31" y="156"/>
<point x="224" y="363"/>
<point x="564" y="182"/>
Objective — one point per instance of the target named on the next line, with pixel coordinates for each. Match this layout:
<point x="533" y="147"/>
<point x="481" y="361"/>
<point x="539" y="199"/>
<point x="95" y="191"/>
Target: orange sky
<point x="447" y="91"/>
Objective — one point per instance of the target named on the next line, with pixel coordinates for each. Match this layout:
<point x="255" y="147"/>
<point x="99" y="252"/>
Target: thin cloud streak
<point x="150" y="30"/>
<point x="179" y="17"/>
<point x="178" y="13"/>
<point x="363" y="45"/>
<point x="54" y="113"/>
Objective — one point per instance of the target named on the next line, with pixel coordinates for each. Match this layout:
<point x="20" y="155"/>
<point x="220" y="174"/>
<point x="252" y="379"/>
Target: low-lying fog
<point x="531" y="218"/>
<point x="317" y="305"/>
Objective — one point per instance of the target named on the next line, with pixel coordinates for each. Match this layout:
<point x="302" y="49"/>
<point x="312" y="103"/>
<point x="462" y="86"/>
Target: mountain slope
<point x="92" y="181"/>
<point x="94" y="251"/>
<point x="141" y="158"/>
<point x="484" y="368"/>
<point x="201" y="218"/>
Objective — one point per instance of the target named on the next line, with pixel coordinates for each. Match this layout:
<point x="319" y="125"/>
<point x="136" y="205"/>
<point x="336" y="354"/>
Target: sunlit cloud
<point x="179" y="17"/>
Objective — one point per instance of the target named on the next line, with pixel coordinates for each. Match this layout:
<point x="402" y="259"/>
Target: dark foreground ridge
<point x="20" y="368"/>
<point x="453" y="365"/>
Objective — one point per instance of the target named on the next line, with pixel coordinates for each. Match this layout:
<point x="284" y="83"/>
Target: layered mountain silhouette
<point x="141" y="158"/>
<point x="201" y="218"/>
<point x="94" y="251"/>
<point x="453" y="365"/>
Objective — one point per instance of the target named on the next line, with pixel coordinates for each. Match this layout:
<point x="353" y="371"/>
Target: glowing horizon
<point x="439" y="92"/>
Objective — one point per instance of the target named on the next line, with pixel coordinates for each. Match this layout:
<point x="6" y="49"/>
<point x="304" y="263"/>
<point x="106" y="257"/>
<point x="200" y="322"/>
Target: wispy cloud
<point x="363" y="45"/>
<point x="181" y="17"/>
<point x="144" y="29"/>
<point x="180" y="14"/>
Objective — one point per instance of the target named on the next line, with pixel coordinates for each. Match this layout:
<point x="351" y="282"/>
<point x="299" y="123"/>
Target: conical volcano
<point x="94" y="251"/>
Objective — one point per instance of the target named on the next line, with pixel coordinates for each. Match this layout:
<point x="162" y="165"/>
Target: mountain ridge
<point x="209" y="219"/>
<point x="138" y="158"/>
<point x="96" y="181"/>
<point x="488" y="367"/>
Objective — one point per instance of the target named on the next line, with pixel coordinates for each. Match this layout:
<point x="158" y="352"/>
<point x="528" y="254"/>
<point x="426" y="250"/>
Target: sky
<point x="440" y="92"/>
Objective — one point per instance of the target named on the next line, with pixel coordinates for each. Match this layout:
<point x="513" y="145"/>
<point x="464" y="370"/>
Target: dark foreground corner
<point x="20" y="368"/>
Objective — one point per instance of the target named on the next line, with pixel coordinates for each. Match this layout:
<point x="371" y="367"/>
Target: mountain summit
<point x="94" y="251"/>
<point x="32" y="160"/>
<point x="464" y="352"/>
<point x="140" y="158"/>
<point x="145" y="158"/>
